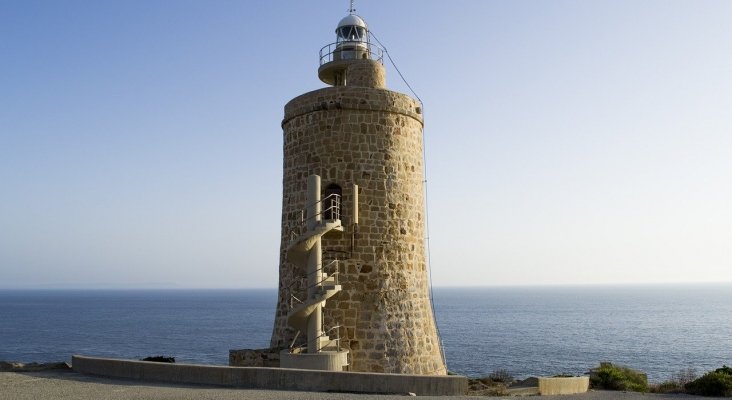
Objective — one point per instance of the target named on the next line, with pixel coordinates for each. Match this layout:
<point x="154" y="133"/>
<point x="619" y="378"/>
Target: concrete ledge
<point x="568" y="385"/>
<point x="273" y="378"/>
<point x="323" y="361"/>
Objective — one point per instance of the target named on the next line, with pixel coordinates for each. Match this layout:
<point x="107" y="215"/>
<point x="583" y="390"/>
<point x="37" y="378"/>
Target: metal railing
<point x="330" y="212"/>
<point x="330" y="209"/>
<point x="337" y="339"/>
<point x="327" y="276"/>
<point x="302" y="281"/>
<point x="351" y="51"/>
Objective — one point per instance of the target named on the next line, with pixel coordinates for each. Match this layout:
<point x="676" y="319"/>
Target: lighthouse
<point x="353" y="277"/>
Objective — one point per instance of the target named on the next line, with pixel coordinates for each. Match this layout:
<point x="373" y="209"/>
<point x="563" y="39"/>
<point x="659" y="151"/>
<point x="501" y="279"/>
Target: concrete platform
<point x="272" y="378"/>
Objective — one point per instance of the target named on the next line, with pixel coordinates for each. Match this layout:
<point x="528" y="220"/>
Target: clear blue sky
<point x="567" y="142"/>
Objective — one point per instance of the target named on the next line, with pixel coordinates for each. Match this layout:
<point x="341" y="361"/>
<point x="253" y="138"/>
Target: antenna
<point x="351" y="10"/>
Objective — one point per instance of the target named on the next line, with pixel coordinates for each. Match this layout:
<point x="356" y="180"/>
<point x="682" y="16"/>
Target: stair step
<point x="324" y="288"/>
<point x="298" y="249"/>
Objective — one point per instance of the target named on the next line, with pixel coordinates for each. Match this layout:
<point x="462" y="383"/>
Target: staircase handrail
<point x="334" y="195"/>
<point x="316" y="284"/>
<point x="324" y="334"/>
<point x="302" y="281"/>
<point x="323" y="267"/>
<point x="293" y="297"/>
<point x="323" y="280"/>
<point x="335" y="207"/>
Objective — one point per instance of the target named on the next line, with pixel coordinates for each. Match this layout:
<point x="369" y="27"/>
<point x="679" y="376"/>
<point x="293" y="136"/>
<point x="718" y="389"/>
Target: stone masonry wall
<point x="371" y="137"/>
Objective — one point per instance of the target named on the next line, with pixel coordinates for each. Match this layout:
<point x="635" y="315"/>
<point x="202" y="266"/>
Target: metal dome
<point x="352" y="29"/>
<point x="352" y="20"/>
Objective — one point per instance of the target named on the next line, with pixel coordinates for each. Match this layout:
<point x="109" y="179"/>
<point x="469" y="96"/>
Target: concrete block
<point x="563" y="385"/>
<point x="324" y="361"/>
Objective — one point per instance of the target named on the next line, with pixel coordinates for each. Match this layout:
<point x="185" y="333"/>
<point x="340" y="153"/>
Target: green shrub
<point x="715" y="383"/>
<point x="614" y="377"/>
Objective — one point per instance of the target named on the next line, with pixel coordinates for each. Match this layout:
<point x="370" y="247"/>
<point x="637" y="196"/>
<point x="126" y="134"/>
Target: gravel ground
<point x="70" y="385"/>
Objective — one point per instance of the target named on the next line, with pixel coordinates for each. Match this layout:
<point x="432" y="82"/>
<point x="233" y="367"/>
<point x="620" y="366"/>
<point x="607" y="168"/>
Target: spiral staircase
<point x="320" y="352"/>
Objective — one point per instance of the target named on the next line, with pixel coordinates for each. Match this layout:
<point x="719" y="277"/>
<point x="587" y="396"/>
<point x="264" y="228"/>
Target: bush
<point x="715" y="383"/>
<point x="493" y="384"/>
<point x="725" y="370"/>
<point x="614" y="377"/>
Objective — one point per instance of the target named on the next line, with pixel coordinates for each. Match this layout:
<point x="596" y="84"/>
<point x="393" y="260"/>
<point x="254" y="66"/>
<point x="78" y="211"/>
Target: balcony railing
<point x="351" y="51"/>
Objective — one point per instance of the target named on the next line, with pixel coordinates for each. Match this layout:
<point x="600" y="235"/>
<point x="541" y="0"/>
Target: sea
<point x="525" y="331"/>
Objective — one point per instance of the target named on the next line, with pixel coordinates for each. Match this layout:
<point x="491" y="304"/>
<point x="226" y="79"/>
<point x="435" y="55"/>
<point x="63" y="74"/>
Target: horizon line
<point x="488" y="286"/>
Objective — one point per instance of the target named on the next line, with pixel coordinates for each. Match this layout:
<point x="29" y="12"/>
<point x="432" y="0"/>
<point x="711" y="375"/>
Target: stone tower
<point x="365" y="143"/>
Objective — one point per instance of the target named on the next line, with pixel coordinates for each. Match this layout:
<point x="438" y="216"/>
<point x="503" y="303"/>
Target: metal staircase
<point x="306" y="315"/>
<point x="301" y="311"/>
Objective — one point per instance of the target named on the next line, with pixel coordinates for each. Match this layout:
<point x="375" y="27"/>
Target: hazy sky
<point x="567" y="141"/>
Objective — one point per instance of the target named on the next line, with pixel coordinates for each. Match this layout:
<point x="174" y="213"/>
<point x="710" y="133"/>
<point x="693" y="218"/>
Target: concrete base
<point x="569" y="385"/>
<point x="323" y="361"/>
<point x="273" y="378"/>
